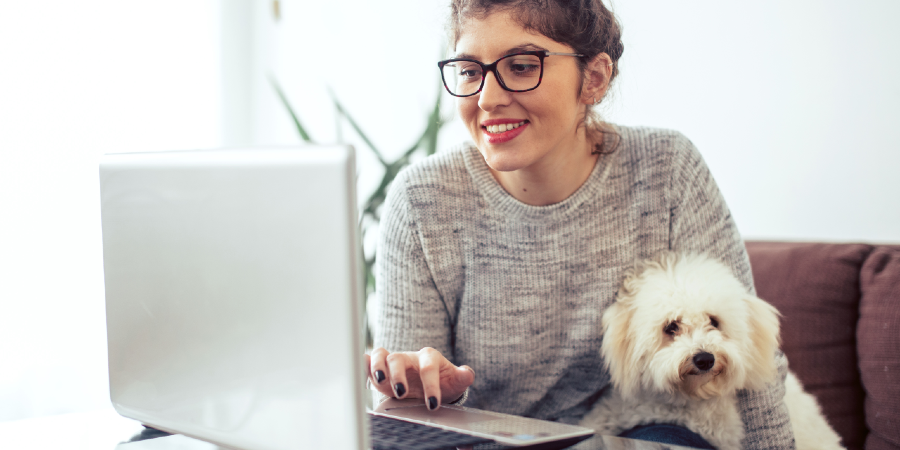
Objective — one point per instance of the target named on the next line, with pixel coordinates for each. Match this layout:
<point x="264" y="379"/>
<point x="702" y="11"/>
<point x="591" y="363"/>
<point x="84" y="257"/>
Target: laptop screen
<point x="233" y="294"/>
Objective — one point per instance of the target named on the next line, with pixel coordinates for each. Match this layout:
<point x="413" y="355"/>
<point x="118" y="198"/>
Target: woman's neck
<point x="551" y="180"/>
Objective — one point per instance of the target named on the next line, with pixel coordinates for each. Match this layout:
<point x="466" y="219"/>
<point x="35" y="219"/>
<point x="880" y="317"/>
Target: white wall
<point x="792" y="103"/>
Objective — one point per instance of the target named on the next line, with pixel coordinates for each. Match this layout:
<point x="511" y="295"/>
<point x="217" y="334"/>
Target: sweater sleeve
<point x="410" y="312"/>
<point x="701" y="222"/>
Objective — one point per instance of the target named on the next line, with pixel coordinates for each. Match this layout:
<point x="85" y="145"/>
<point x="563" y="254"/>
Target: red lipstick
<point x="505" y="136"/>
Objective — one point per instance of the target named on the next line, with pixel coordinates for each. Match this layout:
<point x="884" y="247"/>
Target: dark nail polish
<point x="379" y="376"/>
<point x="432" y="403"/>
<point x="399" y="389"/>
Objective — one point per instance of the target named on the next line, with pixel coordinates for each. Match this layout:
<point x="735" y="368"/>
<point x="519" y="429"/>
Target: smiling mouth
<point x="502" y="128"/>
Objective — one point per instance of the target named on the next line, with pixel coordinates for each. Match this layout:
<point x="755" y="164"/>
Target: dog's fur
<point x="668" y="311"/>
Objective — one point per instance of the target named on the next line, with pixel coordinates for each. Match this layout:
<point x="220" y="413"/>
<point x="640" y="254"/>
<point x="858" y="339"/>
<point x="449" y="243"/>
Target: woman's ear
<point x="597" y="75"/>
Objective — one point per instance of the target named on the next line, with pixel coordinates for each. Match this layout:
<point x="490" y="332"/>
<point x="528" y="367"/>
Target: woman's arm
<point x="413" y="329"/>
<point x="701" y="222"/>
<point x="411" y="313"/>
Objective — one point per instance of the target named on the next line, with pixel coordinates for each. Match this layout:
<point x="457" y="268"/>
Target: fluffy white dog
<point x="682" y="338"/>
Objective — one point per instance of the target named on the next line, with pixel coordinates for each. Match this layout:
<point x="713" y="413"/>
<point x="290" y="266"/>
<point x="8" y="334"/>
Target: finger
<point x="430" y="361"/>
<point x="465" y="376"/>
<point x="397" y="363"/>
<point x="455" y="381"/>
<point x="378" y="370"/>
<point x="378" y="366"/>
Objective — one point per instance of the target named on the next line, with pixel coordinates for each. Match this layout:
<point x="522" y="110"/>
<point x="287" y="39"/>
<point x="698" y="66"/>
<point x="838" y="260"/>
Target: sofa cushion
<point x="816" y="288"/>
<point x="878" y="334"/>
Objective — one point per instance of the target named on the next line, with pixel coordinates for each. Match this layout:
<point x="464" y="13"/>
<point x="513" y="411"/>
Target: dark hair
<point x="587" y="26"/>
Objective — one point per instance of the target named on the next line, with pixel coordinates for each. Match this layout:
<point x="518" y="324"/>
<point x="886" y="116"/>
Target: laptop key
<point x="393" y="434"/>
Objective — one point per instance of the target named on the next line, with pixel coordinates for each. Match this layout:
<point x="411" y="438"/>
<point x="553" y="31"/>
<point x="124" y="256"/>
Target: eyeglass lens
<point x="516" y="72"/>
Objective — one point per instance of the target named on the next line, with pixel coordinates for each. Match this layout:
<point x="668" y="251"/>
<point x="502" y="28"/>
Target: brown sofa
<point x="840" y="306"/>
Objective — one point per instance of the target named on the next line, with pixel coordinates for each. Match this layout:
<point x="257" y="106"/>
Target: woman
<point x="503" y="254"/>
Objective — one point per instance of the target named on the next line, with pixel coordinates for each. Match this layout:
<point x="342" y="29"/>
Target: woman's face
<point x="549" y="115"/>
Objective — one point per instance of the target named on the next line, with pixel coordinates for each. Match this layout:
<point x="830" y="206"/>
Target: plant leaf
<point x="356" y="127"/>
<point x="428" y="138"/>
<point x="303" y="134"/>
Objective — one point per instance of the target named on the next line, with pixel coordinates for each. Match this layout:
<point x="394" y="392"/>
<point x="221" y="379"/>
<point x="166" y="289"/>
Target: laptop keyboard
<point x="393" y="434"/>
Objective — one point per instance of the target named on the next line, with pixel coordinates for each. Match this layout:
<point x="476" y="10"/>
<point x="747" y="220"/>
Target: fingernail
<point x="399" y="389"/>
<point x="379" y="376"/>
<point x="432" y="403"/>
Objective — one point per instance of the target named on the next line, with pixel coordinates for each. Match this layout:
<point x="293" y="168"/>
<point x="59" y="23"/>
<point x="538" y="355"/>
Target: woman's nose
<point x="492" y="94"/>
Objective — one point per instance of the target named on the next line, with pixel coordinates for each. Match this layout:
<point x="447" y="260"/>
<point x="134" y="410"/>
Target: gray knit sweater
<point x="516" y="291"/>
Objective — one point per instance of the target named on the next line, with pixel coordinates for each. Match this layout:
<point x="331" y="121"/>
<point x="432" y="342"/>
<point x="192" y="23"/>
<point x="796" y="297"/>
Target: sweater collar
<point x="508" y="206"/>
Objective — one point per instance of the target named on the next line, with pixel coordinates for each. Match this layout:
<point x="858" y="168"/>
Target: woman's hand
<point x="423" y="374"/>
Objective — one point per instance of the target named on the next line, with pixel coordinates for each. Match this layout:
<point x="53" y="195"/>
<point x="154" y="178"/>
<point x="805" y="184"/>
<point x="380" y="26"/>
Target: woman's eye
<point x="714" y="322"/>
<point x="523" y="66"/>
<point x="671" y="329"/>
<point x="522" y="69"/>
<point x="470" y="73"/>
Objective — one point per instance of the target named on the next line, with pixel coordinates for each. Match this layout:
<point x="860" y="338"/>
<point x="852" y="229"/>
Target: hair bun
<point x="616" y="51"/>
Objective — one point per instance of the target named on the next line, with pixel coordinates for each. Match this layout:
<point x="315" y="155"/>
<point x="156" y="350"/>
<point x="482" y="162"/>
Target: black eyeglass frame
<point x="492" y="67"/>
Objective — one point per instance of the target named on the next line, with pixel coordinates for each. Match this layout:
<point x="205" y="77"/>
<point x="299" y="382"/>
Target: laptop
<point x="234" y="303"/>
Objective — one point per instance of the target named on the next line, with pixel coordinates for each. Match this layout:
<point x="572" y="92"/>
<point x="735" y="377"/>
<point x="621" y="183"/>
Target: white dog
<point x="682" y="338"/>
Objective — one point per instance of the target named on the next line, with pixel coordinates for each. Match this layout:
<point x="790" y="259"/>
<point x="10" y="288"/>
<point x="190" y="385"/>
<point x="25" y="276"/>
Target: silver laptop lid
<point x="233" y="295"/>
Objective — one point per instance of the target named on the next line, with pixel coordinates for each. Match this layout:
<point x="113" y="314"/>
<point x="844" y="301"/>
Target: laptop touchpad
<point x="447" y="416"/>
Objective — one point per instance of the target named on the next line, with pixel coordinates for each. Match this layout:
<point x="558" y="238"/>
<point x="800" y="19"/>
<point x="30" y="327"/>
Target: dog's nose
<point x="704" y="360"/>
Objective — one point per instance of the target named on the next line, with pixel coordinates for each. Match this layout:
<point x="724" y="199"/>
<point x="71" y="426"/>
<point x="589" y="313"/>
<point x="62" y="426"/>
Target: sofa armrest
<point x="878" y="335"/>
<point x="816" y="287"/>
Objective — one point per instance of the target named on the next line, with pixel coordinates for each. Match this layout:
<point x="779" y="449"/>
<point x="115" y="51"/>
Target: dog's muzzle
<point x="704" y="361"/>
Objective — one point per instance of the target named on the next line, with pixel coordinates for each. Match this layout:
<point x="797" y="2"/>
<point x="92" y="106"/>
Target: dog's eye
<point x="713" y="322"/>
<point x="671" y="329"/>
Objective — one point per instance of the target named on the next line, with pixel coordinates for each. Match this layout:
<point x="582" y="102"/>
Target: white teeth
<point x="494" y="129"/>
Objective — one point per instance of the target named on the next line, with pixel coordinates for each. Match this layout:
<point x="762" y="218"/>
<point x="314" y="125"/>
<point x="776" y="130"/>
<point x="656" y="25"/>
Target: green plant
<point x="370" y="213"/>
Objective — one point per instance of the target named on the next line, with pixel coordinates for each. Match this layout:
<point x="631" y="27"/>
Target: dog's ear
<point x="764" y="341"/>
<point x="617" y="347"/>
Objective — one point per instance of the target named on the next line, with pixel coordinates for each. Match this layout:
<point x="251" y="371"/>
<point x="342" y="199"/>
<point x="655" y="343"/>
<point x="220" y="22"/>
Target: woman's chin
<point x="504" y="161"/>
<point x="503" y="166"/>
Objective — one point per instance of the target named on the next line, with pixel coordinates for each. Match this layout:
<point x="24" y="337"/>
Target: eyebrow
<point x="519" y="48"/>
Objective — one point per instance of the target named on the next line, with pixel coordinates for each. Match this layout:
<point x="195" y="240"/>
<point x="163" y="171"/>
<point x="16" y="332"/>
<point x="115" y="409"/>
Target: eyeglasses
<point x="518" y="72"/>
